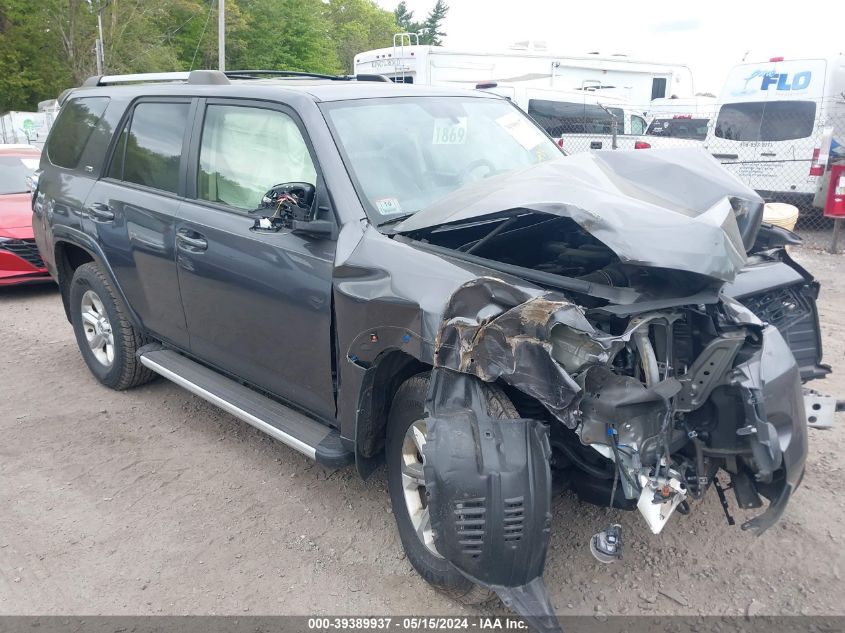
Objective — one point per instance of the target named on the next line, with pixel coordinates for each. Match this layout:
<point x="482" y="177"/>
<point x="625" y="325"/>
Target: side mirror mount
<point x="325" y="229"/>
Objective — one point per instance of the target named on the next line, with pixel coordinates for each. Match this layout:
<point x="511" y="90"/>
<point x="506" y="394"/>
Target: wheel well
<point x="69" y="257"/>
<point x="382" y="380"/>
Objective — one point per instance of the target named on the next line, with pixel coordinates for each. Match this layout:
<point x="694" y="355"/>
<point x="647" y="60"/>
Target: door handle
<point x="101" y="211"/>
<point x="189" y="242"/>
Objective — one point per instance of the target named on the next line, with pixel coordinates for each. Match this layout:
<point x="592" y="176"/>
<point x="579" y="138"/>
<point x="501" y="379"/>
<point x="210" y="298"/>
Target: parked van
<point x="770" y="120"/>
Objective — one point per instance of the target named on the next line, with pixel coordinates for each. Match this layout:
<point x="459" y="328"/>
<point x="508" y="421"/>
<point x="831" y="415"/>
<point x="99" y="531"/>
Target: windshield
<point x="14" y="171"/>
<point x="406" y="153"/>
<point x="679" y="128"/>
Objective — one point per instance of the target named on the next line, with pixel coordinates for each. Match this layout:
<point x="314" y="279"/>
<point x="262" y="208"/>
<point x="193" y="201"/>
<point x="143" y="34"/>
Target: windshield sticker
<point x="450" y="131"/>
<point x="521" y="130"/>
<point x="30" y="163"/>
<point x="387" y="206"/>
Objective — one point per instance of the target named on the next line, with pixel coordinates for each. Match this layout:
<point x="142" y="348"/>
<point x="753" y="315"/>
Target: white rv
<point x="769" y="123"/>
<point x="636" y="81"/>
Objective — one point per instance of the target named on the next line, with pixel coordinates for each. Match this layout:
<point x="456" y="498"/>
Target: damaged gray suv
<point x="376" y="273"/>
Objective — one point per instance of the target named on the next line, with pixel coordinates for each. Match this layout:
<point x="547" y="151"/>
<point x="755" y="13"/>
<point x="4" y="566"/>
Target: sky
<point x="709" y="36"/>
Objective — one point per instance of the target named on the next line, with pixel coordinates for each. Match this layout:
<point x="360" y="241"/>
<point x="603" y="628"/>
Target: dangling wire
<point x="202" y="35"/>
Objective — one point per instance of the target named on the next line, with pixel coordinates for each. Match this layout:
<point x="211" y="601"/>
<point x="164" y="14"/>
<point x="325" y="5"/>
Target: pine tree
<point x="431" y="31"/>
<point x="405" y="18"/>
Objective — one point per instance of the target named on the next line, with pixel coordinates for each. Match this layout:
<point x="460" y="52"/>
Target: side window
<point x="150" y="148"/>
<point x="245" y="151"/>
<point x="76" y="122"/>
<point x="637" y="125"/>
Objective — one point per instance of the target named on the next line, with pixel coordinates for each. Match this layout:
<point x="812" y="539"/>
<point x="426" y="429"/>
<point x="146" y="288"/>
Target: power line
<point x="202" y="35"/>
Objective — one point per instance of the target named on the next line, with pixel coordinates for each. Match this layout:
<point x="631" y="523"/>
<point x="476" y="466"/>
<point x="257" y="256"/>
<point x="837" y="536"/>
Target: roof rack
<point x="217" y="77"/>
<point x="195" y="77"/>
<point x="250" y="74"/>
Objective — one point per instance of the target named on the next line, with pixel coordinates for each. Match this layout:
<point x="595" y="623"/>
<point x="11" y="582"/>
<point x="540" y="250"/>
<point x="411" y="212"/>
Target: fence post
<point x="837" y="226"/>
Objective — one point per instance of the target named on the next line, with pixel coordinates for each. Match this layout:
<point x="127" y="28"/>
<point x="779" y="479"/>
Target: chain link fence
<point x="770" y="146"/>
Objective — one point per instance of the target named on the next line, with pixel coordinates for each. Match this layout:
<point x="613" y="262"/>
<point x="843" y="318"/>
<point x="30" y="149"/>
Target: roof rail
<point x="250" y="74"/>
<point x="217" y="77"/>
<point x="195" y="77"/>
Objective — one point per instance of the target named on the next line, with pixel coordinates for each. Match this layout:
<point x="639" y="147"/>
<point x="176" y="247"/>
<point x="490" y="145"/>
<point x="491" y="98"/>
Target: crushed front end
<point x="639" y="381"/>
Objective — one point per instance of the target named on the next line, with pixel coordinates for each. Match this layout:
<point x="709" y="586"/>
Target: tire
<point x="406" y="409"/>
<point x="118" y="368"/>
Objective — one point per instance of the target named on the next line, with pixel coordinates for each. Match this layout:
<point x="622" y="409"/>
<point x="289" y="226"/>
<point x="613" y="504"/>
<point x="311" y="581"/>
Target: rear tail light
<point x="641" y="145"/>
<point x="816" y="168"/>
<point x="560" y="143"/>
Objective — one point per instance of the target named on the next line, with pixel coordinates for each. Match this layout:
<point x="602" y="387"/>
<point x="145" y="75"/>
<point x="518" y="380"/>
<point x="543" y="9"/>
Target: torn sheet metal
<point x="494" y="331"/>
<point x="662" y="208"/>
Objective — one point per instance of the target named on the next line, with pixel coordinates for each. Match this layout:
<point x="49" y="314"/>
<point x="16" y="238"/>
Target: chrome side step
<point x="309" y="437"/>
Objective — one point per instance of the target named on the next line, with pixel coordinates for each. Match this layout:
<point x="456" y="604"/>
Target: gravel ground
<point x="153" y="502"/>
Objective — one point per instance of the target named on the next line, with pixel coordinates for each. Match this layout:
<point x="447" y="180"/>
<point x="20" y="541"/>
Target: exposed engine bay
<point x="652" y="404"/>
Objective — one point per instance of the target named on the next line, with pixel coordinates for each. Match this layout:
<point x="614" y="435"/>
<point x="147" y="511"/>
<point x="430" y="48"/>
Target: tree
<point x="431" y="29"/>
<point x="33" y="62"/>
<point x="405" y="19"/>
<point x="358" y="25"/>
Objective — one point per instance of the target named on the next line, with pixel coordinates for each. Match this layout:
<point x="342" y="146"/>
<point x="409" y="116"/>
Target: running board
<point x="309" y="437"/>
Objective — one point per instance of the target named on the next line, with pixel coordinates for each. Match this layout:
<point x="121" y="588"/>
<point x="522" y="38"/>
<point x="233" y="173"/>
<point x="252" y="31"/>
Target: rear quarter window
<point x="687" y="128"/>
<point x="766" y="121"/>
<point x="561" y="117"/>
<point x="76" y="122"/>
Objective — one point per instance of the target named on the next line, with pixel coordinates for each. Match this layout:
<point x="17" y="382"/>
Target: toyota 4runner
<point x="371" y="273"/>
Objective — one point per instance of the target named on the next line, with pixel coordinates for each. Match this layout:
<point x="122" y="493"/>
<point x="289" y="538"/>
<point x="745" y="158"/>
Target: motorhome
<point x="531" y="65"/>
<point x="770" y="119"/>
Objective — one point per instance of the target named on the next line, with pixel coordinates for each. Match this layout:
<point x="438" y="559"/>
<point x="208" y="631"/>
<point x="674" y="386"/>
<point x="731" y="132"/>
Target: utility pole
<point x="221" y="34"/>
<point x="101" y="60"/>
<point x="99" y="45"/>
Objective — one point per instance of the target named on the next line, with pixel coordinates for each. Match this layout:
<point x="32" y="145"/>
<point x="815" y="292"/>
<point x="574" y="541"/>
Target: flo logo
<point x="799" y="81"/>
<point x="769" y="78"/>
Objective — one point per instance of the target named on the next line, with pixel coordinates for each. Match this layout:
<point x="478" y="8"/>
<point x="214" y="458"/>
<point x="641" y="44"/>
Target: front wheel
<point x="106" y="337"/>
<point x="406" y="436"/>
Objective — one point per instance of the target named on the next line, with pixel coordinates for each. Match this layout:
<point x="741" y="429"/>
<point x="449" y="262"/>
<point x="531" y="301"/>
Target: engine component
<point x="609" y="397"/>
<point x="660" y="495"/>
<point x="575" y="349"/>
<point x="606" y="545"/>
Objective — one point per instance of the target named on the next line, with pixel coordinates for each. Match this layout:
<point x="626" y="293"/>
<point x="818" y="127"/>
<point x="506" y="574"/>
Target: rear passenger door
<point x="257" y="303"/>
<point x="134" y="209"/>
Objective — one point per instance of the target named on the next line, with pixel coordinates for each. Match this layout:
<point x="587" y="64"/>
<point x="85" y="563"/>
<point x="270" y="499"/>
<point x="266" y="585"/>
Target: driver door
<point x="257" y="303"/>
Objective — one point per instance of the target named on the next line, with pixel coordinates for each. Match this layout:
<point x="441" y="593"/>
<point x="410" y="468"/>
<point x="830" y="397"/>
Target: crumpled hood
<point x="666" y="208"/>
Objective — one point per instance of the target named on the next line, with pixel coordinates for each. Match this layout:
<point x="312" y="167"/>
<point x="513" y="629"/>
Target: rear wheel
<point x="106" y="337"/>
<point x="406" y="436"/>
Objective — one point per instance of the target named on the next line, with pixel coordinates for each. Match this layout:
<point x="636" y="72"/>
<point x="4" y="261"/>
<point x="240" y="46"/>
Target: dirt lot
<point x="154" y="502"/>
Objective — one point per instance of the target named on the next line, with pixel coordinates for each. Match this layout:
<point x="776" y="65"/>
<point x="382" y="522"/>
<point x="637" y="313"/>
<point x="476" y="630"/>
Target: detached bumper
<point x="778" y="435"/>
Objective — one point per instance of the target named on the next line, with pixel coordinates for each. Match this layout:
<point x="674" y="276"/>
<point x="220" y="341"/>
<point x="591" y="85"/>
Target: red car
<point x="19" y="259"/>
